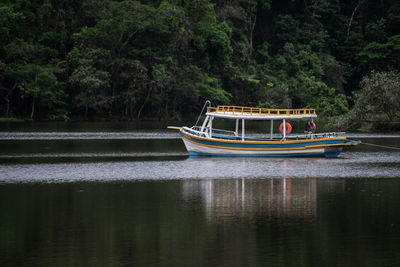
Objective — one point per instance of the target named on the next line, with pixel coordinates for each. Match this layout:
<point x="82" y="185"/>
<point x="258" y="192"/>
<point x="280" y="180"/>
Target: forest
<point x="103" y="59"/>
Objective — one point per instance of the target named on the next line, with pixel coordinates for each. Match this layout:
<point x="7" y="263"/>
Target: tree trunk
<point x="131" y="106"/>
<point x="141" y="108"/>
<point x="126" y="108"/>
<point x="251" y="35"/>
<point x="116" y="67"/>
<point x="360" y="2"/>
<point x="145" y="101"/>
<point x="33" y="99"/>
<point x="8" y="100"/>
<point x="33" y="108"/>
<point x="114" y="85"/>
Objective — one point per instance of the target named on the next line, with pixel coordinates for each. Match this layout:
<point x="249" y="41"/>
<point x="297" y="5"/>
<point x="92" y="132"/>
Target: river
<point x="115" y="195"/>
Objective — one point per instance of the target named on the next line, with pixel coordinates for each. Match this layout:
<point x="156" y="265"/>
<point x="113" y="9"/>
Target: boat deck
<point x="279" y="137"/>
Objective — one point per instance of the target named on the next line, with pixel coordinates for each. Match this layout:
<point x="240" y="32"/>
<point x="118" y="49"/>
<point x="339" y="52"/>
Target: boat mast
<point x="210" y="125"/>
<point x="272" y="128"/>
<point x="284" y="128"/>
<point x="242" y="129"/>
<point x="237" y="128"/>
<point x="204" y="124"/>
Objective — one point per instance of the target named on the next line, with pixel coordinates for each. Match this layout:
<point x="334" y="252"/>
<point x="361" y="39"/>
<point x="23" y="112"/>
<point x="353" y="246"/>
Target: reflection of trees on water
<point x="224" y="222"/>
<point x="274" y="198"/>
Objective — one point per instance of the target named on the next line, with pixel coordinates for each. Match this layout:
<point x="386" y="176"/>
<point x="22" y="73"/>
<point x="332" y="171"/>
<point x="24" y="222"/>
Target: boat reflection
<point x="241" y="198"/>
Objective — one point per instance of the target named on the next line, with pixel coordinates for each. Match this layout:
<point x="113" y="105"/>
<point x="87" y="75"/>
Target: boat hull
<point x="213" y="147"/>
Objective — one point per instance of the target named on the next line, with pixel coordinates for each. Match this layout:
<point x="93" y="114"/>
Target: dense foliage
<point x="133" y="59"/>
<point x="380" y="96"/>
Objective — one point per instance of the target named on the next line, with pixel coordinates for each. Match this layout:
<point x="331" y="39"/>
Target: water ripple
<point x="85" y="135"/>
<point x="94" y="155"/>
<point x="350" y="165"/>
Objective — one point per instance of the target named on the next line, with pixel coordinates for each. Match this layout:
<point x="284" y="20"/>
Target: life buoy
<point x="288" y="128"/>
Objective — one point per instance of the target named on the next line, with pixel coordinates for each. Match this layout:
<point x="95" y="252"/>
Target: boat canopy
<point x="247" y="113"/>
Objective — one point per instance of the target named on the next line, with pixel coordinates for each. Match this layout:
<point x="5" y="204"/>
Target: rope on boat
<point x="205" y="104"/>
<point x="369" y="144"/>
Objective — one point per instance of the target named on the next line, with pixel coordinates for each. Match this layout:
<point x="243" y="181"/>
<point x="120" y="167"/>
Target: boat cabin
<point x="241" y="114"/>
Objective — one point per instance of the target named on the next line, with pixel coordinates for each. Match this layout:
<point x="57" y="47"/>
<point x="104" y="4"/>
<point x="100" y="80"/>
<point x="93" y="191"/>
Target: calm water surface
<point x="105" y="195"/>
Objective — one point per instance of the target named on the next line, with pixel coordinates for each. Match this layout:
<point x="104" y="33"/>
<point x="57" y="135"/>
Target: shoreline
<point x="363" y="127"/>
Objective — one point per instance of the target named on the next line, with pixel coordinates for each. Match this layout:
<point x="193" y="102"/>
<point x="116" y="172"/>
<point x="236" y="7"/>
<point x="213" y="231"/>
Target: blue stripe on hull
<point x="316" y="155"/>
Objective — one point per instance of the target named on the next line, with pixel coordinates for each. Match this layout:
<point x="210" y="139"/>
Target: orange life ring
<point x="288" y="128"/>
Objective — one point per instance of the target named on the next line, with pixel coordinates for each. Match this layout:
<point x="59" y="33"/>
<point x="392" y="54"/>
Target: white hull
<point x="206" y="150"/>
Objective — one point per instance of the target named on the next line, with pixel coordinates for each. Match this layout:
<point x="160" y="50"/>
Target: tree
<point x="33" y="77"/>
<point x="380" y="56"/>
<point x="287" y="29"/>
<point x="91" y="84"/>
<point x="38" y="83"/>
<point x="8" y="20"/>
<point x="114" y="33"/>
<point x="164" y="58"/>
<point x="379" y="95"/>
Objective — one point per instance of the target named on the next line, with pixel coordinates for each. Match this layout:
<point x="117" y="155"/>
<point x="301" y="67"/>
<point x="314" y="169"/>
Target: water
<point x="106" y="197"/>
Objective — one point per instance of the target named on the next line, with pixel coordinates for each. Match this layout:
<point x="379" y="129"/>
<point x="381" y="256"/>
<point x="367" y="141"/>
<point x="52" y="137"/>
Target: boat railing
<point x="298" y="136"/>
<point x="237" y="110"/>
<point x="316" y="136"/>
<point x="195" y="130"/>
<point x="220" y="131"/>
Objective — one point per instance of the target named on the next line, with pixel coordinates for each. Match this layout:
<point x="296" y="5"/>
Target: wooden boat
<point x="204" y="140"/>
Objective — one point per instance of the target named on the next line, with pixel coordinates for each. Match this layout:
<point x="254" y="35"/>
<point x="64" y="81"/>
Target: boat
<point x="206" y="141"/>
